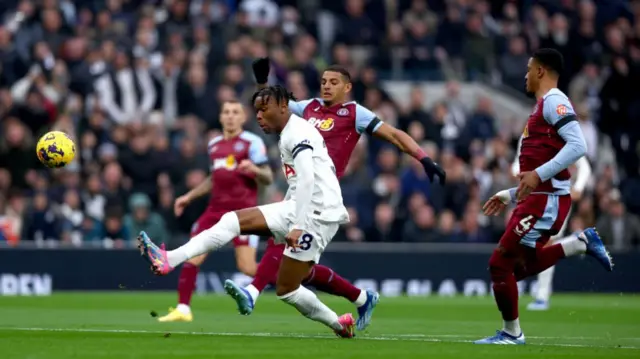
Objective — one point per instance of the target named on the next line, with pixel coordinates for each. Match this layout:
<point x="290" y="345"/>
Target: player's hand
<point x="528" y="182"/>
<point x="494" y="206"/>
<point x="248" y="166"/>
<point x="261" y="70"/>
<point x="433" y="169"/>
<point x="292" y="238"/>
<point x="180" y="204"/>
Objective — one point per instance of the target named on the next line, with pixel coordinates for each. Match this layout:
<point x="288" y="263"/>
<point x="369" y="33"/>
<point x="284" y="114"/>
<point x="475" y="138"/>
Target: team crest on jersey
<point x="322" y="125"/>
<point x="562" y="110"/>
<point x="238" y="147"/>
<point x="343" y="112"/>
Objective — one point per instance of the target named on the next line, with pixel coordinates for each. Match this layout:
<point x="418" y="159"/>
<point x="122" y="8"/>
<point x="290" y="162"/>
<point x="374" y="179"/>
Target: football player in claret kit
<point x="341" y="123"/>
<point x="238" y="162"/>
<point x="552" y="141"/>
<point x="305" y="221"/>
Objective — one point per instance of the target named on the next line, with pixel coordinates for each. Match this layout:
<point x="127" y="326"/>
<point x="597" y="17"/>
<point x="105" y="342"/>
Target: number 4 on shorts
<point x="524" y="225"/>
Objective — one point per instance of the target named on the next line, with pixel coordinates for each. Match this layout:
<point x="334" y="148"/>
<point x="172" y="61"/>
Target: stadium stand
<point x="139" y="84"/>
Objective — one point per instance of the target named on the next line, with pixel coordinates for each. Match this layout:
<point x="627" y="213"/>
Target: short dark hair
<point x="341" y="70"/>
<point x="278" y="92"/>
<point x="551" y="59"/>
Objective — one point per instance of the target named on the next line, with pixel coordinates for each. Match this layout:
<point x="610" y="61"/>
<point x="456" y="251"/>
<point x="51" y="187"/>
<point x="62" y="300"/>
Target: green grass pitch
<point x="119" y="325"/>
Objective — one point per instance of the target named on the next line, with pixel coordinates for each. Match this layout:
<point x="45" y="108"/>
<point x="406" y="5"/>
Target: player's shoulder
<point x="214" y="141"/>
<point x="313" y="101"/>
<point x="556" y="104"/>
<point x="555" y="94"/>
<point x="250" y="137"/>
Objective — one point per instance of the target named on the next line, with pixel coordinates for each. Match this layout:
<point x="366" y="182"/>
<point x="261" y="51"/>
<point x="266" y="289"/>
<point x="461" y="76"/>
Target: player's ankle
<point x="362" y="299"/>
<point x="184" y="308"/>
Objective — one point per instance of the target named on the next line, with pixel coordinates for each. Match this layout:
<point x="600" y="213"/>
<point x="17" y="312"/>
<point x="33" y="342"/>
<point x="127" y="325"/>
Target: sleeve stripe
<point x="565" y="120"/>
<point x="372" y="125"/>
<point x="299" y="148"/>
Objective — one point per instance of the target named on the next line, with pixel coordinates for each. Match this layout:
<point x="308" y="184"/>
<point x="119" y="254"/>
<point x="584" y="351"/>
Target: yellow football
<point x="55" y="149"/>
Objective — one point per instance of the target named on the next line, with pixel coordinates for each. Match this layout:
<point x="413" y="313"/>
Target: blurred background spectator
<point x="138" y="84"/>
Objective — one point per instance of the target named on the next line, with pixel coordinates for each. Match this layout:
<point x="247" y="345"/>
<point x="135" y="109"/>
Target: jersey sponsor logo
<point x="343" y="112"/>
<point x="562" y="110"/>
<point x="322" y="125"/>
<point x="238" y="147"/>
<point x="288" y="171"/>
<point x="228" y="163"/>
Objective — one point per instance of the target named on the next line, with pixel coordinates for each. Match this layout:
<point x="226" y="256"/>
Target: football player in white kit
<point x="306" y="220"/>
<point x="545" y="279"/>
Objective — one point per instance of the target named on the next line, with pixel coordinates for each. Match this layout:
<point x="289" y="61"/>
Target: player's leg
<point x="231" y="225"/>
<point x="189" y="274"/>
<point x="245" y="247"/>
<point x="294" y="268"/>
<point x="186" y="287"/>
<point x="290" y="290"/>
<point x="327" y="280"/>
<point x="545" y="278"/>
<point x="504" y="260"/>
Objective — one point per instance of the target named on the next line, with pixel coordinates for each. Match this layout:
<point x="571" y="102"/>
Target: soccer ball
<point x="55" y="149"/>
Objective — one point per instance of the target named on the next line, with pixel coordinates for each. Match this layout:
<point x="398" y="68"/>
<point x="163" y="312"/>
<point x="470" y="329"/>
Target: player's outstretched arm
<point x="406" y="144"/>
<point x="183" y="201"/>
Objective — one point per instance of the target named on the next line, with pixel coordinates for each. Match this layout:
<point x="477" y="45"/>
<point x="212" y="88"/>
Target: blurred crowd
<point x="138" y="84"/>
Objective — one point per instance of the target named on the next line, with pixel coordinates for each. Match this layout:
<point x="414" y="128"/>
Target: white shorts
<point x="314" y="240"/>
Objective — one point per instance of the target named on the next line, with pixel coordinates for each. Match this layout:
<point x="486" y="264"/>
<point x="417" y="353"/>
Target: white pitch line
<point x="392" y="337"/>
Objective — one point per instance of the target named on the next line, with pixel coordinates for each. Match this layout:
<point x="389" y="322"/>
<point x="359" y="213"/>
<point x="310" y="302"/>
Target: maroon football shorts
<point x="534" y="221"/>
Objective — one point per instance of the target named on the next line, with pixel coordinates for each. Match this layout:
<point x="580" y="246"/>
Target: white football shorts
<point x="315" y="238"/>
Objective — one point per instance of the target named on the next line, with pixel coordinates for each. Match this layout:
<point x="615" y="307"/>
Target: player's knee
<point x="499" y="266"/>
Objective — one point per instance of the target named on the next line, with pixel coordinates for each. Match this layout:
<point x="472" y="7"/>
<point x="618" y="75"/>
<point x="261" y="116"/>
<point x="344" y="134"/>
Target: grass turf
<point x="119" y="325"/>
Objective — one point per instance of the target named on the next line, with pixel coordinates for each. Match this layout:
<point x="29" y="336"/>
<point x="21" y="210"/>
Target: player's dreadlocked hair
<point x="278" y="92"/>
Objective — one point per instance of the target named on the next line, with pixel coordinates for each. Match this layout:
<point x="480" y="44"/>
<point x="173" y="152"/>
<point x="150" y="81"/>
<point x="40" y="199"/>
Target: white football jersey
<point x="326" y="200"/>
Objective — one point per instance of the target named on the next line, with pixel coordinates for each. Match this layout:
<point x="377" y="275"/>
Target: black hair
<point x="551" y="59"/>
<point x="278" y="92"/>
<point x="341" y="70"/>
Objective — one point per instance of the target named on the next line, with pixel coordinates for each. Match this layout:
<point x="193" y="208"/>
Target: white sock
<point x="253" y="292"/>
<point x="572" y="246"/>
<point x="362" y="298"/>
<point x="545" y="279"/>
<point x="512" y="327"/>
<point x="306" y="302"/>
<point x="184" y="308"/>
<point x="208" y="240"/>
